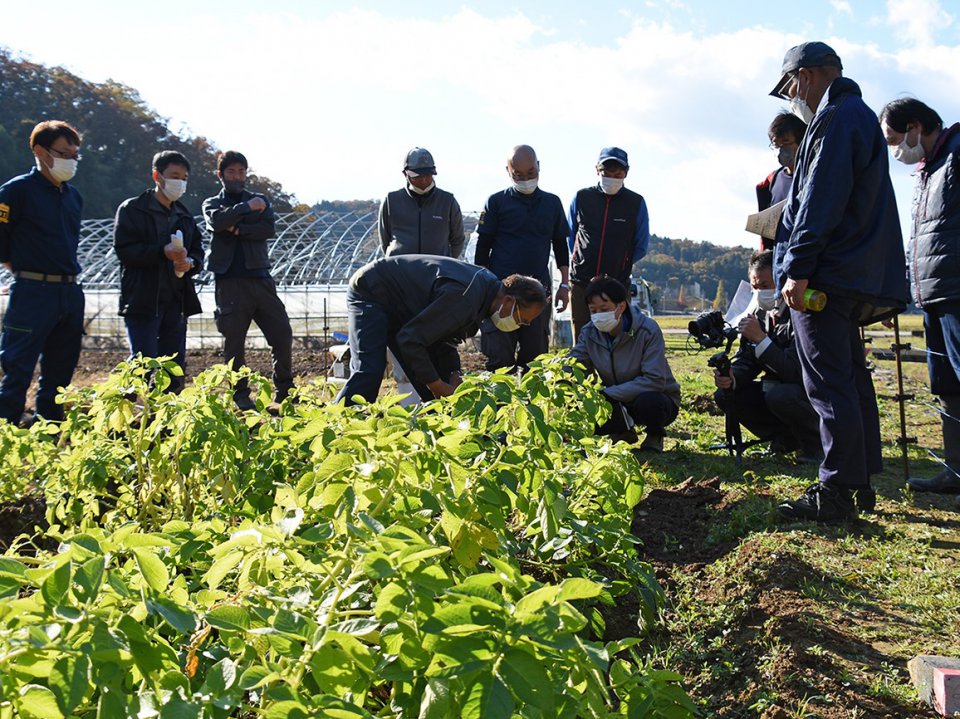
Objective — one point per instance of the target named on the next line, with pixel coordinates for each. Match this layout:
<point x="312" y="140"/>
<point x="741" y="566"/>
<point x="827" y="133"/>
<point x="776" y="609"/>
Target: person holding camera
<point x="626" y="349"/>
<point x="774" y="407"/>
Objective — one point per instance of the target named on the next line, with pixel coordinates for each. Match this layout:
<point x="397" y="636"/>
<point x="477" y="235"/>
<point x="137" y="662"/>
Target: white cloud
<point x="917" y="21"/>
<point x="842" y="6"/>
<point x="329" y="106"/>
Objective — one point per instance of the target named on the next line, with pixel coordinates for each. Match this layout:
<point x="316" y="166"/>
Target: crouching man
<point x="774" y="407"/>
<point x="420" y="307"/>
<point x="626" y="350"/>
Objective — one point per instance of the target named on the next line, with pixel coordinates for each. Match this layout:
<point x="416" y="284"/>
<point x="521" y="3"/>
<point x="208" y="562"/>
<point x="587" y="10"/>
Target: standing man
<point x="157" y="265"/>
<point x="915" y="133"/>
<point x="39" y="234"/>
<point x="241" y="223"/>
<point x="516" y="230"/>
<point x="420" y="218"/>
<point x="840" y="234"/>
<point x="419" y="307"/>
<point x="609" y="232"/>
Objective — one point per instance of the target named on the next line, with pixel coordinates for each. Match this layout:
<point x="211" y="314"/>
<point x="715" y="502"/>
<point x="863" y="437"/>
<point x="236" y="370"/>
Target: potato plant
<point x="372" y="561"/>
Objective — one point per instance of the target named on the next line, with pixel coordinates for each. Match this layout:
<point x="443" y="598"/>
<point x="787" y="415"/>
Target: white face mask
<point x="63" y="170"/>
<point x="605" y="321"/>
<point x="906" y="154"/>
<point x="611" y="185"/>
<point x="173" y="189"/>
<point x="417" y="191"/>
<point x="505" y="324"/>
<point x="766" y="299"/>
<point x="801" y="109"/>
<point x="526" y="187"/>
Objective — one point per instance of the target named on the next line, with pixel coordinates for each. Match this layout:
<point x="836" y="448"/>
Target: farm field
<point x="478" y="559"/>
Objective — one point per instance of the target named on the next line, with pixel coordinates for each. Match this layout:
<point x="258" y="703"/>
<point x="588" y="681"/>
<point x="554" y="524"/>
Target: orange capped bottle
<point x="814" y="300"/>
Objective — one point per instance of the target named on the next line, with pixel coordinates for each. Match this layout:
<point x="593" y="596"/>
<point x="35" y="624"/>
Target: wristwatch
<point x="563" y="286"/>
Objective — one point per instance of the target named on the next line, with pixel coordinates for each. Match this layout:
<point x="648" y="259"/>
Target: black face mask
<point x="787" y="156"/>
<point x="234" y="187"/>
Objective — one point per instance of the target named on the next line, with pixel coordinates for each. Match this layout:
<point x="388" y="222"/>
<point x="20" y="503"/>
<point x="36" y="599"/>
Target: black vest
<point x="606" y="234"/>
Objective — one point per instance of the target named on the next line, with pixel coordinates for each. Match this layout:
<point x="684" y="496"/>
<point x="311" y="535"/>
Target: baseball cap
<point x="808" y="54"/>
<point x="420" y="161"/>
<point x="613" y="153"/>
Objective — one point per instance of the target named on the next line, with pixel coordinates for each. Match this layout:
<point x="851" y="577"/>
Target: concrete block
<point x="922" y="674"/>
<point x="946" y="691"/>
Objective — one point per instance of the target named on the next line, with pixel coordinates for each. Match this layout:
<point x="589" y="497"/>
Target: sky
<point x="327" y="97"/>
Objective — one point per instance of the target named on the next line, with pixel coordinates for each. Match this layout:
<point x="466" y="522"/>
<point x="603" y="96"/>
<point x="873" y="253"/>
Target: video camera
<point x="709" y="329"/>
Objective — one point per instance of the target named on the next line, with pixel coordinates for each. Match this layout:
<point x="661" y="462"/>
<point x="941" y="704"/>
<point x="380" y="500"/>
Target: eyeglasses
<point x="63" y="155"/>
<point x="520" y="321"/>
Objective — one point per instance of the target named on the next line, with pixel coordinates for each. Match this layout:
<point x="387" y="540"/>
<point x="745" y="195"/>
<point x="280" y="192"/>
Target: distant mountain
<point x="120" y="136"/>
<point x="672" y="264"/>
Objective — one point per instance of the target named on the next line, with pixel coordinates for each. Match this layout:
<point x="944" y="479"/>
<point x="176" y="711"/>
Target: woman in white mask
<point x="915" y="133"/>
<point x="626" y="350"/>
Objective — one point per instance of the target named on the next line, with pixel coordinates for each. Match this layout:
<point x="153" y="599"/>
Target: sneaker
<point x="629" y="437"/>
<point x="820" y="503"/>
<point x="652" y="443"/>
<point x="865" y="498"/>
<point x="944" y="483"/>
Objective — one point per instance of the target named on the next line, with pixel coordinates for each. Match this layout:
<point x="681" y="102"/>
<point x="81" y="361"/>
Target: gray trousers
<point x="241" y="300"/>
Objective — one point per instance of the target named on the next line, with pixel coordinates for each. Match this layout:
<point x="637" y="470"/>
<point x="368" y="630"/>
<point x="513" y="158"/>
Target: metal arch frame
<point x="311" y="248"/>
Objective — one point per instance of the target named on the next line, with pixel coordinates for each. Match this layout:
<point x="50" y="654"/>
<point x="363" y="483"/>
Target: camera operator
<point x="626" y="349"/>
<point x="775" y="407"/>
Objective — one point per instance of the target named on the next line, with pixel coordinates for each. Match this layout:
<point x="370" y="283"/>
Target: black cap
<point x="809" y="54"/>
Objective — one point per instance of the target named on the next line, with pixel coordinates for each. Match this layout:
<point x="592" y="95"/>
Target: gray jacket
<point x="633" y="362"/>
<point x="430" y="224"/>
<point x="934" y="251"/>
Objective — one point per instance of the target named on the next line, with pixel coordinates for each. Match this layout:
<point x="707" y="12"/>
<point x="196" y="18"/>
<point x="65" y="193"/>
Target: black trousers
<point x="242" y="300"/>
<point x="778" y="409"/>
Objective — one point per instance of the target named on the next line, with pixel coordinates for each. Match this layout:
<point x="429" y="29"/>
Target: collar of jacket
<point x="940" y="144"/>
<point x="244" y="196"/>
<point x="145" y="203"/>
<point x="841" y="86"/>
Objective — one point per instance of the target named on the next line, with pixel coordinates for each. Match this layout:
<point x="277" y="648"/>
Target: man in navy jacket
<point x="840" y="234"/>
<point x="39" y="234"/>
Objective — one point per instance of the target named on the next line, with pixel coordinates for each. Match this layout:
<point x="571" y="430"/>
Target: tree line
<point x="120" y="132"/>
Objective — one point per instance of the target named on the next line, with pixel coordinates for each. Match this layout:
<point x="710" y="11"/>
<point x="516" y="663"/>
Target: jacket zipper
<point x="603" y="234"/>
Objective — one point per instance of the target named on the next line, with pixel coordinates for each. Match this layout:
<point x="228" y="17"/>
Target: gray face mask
<point x="787" y="156"/>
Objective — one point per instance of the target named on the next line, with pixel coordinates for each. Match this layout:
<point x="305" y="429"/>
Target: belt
<point x="41" y="277"/>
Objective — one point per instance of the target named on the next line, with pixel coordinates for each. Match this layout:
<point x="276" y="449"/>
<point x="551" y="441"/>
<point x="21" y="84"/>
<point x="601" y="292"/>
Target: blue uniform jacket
<point x="840" y="228"/>
<point x="40" y="225"/>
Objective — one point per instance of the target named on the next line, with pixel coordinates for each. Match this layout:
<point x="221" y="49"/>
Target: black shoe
<point x="244" y="403"/>
<point x="865" y="498"/>
<point x="820" y="503"/>
<point x="784" y="444"/>
<point x="944" y="483"/>
<point x="652" y="443"/>
<point x="630" y="437"/>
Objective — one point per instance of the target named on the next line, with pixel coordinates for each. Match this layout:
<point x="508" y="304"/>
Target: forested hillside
<point x="670" y="263"/>
<point x="120" y="136"/>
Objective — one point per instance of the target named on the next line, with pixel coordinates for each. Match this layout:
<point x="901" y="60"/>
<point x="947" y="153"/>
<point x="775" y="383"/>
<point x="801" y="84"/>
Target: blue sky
<point x="327" y="97"/>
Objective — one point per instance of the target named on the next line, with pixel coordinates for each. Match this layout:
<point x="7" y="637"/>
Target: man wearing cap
<point x="420" y="218"/>
<point x="609" y="232"/>
<point x="517" y="228"/>
<point x="840" y="234"/>
<point x="39" y="234"/>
